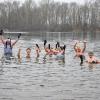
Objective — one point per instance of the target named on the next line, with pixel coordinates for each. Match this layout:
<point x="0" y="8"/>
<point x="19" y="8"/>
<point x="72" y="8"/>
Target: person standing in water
<point x="80" y="51"/>
<point x="8" y="45"/>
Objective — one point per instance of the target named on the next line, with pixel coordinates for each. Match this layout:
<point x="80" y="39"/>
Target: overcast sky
<point x="78" y="1"/>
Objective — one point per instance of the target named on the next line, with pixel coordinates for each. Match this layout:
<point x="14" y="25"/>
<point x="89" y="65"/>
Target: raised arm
<point x="84" y="46"/>
<point x="75" y="46"/>
<point x="1" y="37"/>
<point x="45" y="42"/>
<point x="16" y="40"/>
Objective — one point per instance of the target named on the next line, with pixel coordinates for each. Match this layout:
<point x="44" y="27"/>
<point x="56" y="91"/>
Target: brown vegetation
<point x="50" y="16"/>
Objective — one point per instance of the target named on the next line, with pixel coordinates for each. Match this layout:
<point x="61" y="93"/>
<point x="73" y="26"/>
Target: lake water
<point x="51" y="79"/>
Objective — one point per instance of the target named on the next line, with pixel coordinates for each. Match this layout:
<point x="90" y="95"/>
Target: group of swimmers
<point x="59" y="50"/>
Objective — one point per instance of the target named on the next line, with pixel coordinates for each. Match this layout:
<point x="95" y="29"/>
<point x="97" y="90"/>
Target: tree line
<point x="48" y="15"/>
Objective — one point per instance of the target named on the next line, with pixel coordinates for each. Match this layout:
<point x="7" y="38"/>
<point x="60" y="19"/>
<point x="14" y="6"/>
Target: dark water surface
<point x="51" y="79"/>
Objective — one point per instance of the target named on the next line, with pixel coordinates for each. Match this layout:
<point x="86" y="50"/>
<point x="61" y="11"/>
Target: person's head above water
<point x="78" y="48"/>
<point x="28" y="50"/>
<point x="8" y="41"/>
<point x="90" y="54"/>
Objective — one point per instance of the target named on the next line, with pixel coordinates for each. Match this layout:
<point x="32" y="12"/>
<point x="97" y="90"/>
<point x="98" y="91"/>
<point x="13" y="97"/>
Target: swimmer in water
<point x="91" y="59"/>
<point x="28" y="53"/>
<point x="8" y="45"/>
<point x="48" y="49"/>
<point x="80" y="51"/>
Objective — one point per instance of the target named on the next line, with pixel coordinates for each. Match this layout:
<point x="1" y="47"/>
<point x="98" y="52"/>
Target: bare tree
<point x="50" y="16"/>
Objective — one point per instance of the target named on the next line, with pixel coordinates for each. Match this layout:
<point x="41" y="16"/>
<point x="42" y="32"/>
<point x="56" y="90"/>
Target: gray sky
<point x="77" y="1"/>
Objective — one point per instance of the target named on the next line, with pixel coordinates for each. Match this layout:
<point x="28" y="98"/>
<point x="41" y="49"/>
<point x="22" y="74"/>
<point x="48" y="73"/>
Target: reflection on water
<point x="49" y="78"/>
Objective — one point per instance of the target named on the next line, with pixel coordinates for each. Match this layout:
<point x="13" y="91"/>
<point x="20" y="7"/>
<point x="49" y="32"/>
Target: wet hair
<point x="28" y="49"/>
